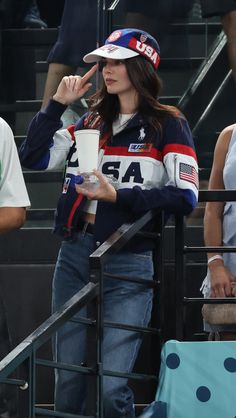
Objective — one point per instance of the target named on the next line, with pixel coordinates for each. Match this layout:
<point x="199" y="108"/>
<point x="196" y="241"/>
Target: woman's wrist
<point x="59" y="99"/>
<point x="214" y="258"/>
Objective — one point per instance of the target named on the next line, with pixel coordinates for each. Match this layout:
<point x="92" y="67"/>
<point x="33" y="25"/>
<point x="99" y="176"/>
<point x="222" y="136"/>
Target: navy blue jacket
<point x="157" y="174"/>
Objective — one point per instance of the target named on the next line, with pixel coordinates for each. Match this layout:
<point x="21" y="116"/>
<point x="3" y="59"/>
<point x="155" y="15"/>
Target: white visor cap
<point x="111" y="51"/>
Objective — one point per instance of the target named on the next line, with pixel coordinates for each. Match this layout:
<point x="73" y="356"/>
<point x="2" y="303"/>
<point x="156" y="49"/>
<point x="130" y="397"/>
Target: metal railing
<point x="181" y="252"/>
<point x="90" y="295"/>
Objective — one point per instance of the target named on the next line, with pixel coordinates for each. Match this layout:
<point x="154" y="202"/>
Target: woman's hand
<point x="105" y="191"/>
<point x="221" y="281"/>
<point x="73" y="87"/>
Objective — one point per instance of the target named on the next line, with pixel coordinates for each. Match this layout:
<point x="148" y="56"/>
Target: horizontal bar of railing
<point x="217" y="195"/>
<point x="85" y="321"/>
<point x="49" y="413"/>
<point x="210" y="300"/>
<point x="87" y="370"/>
<point x="65" y="366"/>
<point x="146" y="234"/>
<point x="20" y="353"/>
<point x="126" y="327"/>
<point x="117" y="240"/>
<point x="148" y="283"/>
<point x="16" y="382"/>
<point x="133" y="376"/>
<point x="220" y="249"/>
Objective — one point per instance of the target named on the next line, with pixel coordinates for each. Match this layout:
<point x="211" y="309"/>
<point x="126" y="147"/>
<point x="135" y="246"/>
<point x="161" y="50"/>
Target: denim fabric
<point x="123" y="302"/>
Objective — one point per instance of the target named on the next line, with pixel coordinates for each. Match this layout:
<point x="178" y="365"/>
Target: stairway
<point x="27" y="257"/>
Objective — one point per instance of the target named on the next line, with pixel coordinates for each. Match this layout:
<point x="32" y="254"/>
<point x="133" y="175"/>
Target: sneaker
<point x="33" y="19"/>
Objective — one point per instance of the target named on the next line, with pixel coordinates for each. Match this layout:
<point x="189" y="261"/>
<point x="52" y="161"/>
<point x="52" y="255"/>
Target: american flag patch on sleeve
<point x="188" y="173"/>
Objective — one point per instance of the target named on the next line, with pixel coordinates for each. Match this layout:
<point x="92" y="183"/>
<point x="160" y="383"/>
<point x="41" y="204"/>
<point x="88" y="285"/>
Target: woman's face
<point x="116" y="77"/>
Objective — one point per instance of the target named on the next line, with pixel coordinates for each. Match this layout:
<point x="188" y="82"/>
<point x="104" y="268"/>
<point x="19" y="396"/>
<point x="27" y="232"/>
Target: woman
<point x="220" y="226"/>
<point x="149" y="149"/>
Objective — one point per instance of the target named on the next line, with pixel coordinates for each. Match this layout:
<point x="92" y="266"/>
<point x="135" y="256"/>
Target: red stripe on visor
<point x="146" y="50"/>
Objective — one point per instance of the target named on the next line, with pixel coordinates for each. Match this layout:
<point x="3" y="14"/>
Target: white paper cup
<point x="87" y="144"/>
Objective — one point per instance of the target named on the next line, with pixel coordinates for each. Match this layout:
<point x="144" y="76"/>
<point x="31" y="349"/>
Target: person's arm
<point x="46" y="146"/>
<point x="221" y="277"/>
<point x="11" y="218"/>
<point x="13" y="194"/>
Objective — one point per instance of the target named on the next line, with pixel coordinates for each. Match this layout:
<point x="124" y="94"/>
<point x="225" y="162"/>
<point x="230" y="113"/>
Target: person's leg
<point x="71" y="274"/>
<point x="127" y="303"/>
<point x="229" y="26"/>
<point x="55" y="73"/>
<point x="77" y="36"/>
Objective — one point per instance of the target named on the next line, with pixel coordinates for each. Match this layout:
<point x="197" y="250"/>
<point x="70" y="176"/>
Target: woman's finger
<point x="89" y="73"/>
<point x="103" y="180"/>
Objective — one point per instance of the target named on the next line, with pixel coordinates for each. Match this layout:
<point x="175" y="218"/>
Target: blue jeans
<point x="124" y="302"/>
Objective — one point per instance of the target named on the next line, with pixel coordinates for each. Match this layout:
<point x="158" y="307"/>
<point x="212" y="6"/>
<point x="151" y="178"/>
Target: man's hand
<point x="73" y="87"/>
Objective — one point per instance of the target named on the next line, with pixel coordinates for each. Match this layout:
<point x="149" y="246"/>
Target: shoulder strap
<point x="104" y="139"/>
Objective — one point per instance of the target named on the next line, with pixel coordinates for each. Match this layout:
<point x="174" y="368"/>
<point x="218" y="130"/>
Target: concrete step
<point x="43" y="187"/>
<point x="32" y="245"/>
<point x="25" y="110"/>
<point x="24" y="46"/>
<point x="41" y="246"/>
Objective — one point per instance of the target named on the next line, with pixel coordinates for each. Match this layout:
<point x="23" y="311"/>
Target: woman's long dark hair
<point x="148" y="86"/>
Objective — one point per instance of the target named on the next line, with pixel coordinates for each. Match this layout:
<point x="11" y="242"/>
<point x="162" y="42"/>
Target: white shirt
<point x="13" y="191"/>
<point x="120" y="123"/>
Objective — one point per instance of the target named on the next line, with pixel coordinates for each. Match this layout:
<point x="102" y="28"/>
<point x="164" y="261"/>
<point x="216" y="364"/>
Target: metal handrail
<point x="27" y="349"/>
<point x="43" y="333"/>
<point x="219" y="45"/>
<point x="182" y="250"/>
<point x="211" y="103"/>
<point x="197" y="100"/>
<point x="120" y="238"/>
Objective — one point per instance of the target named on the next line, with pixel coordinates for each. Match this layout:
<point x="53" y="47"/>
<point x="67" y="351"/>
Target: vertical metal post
<point x="102" y="20"/>
<point x="179" y="276"/>
<point x="161" y="280"/>
<point x="101" y="28"/>
<point x="100" y="333"/>
<point x="94" y="398"/>
<point x="158" y="320"/>
<point x="98" y="22"/>
<point x="32" y="385"/>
